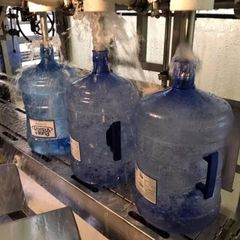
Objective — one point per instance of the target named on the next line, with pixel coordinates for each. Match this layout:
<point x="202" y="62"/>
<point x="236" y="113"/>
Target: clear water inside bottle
<point x="100" y="109"/>
<point x="43" y="89"/>
<point x="180" y="148"/>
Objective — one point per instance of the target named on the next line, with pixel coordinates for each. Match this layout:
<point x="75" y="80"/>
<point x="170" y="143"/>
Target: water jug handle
<point x="208" y="188"/>
<point x="113" y="138"/>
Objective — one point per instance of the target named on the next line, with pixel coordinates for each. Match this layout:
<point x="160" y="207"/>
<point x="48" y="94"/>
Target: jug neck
<point x="184" y="74"/>
<point x="100" y="62"/>
<point x="47" y="55"/>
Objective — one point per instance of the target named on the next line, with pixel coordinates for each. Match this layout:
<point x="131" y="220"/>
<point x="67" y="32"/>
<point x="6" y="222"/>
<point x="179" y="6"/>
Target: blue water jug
<point x="181" y="135"/>
<point x="100" y="107"/>
<point x="43" y="89"/>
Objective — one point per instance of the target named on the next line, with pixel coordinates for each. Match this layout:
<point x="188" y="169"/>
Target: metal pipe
<point x="44" y="27"/>
<point x="142" y="30"/>
<point x="183" y="29"/>
<point x="164" y="76"/>
<point x="167" y="40"/>
<point x="190" y="27"/>
<point x="3" y="42"/>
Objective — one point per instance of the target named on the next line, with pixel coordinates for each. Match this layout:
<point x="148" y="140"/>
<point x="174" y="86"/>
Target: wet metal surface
<point x="12" y="197"/>
<point x="59" y="224"/>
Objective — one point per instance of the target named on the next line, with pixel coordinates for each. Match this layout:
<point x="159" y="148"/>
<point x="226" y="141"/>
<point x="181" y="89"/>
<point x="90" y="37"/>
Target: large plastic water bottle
<point x="100" y="107"/>
<point x="43" y="88"/>
<point x="181" y="139"/>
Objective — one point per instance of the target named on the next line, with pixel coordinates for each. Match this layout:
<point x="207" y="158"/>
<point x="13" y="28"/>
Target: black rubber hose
<point x="52" y="21"/>
<point x="20" y="29"/>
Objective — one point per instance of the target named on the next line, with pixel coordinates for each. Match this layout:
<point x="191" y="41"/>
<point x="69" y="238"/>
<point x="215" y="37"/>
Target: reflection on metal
<point x="12" y="197"/>
<point x="59" y="224"/>
<point x="105" y="209"/>
<point x="230" y="231"/>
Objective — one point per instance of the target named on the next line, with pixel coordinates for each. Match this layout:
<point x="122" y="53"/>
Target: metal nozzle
<point x="44" y="27"/>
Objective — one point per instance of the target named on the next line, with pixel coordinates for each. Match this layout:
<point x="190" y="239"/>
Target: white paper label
<point x="43" y="129"/>
<point x="75" y="149"/>
<point x="146" y="186"/>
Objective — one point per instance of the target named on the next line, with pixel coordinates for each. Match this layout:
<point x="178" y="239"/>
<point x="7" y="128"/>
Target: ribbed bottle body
<point x="100" y="109"/>
<point x="181" y="136"/>
<point x="43" y="89"/>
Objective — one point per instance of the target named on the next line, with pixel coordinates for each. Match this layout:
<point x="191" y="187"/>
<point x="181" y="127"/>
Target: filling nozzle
<point x="44" y="28"/>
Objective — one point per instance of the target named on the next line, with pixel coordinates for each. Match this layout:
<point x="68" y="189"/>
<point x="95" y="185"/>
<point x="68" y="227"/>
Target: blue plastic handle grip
<point x="208" y="188"/>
